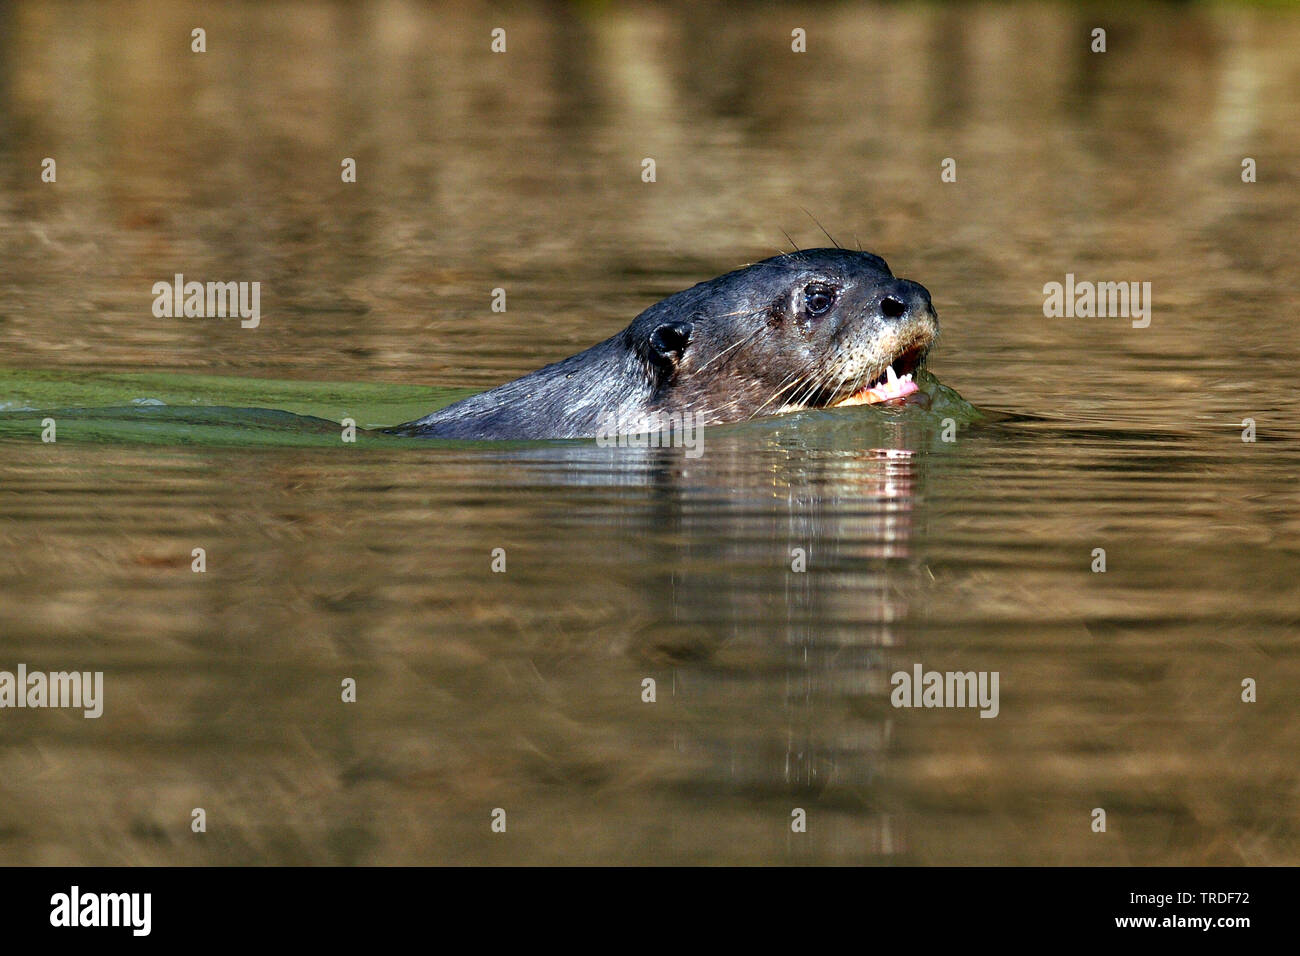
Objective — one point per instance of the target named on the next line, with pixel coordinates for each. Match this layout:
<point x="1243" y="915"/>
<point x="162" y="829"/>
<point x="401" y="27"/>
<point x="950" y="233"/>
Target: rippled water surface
<point x="523" y="690"/>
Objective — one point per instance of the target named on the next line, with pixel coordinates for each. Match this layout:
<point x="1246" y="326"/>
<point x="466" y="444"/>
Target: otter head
<point x="812" y="329"/>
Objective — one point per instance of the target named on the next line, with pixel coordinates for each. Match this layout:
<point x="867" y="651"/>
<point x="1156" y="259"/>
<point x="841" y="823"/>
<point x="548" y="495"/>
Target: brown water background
<point x="522" y="690"/>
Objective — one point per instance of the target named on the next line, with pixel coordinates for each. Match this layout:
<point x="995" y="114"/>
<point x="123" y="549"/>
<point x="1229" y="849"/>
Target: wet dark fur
<point x="736" y="347"/>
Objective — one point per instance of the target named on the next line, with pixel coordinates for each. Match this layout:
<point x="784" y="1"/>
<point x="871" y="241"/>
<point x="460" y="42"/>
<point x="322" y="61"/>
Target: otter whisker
<point x="746" y="340"/>
<point x="822" y="228"/>
<point x="781" y="388"/>
<point x="811" y="390"/>
<point x="813" y="386"/>
<point x="718" y="409"/>
<point x="724" y="352"/>
<point x="736" y="401"/>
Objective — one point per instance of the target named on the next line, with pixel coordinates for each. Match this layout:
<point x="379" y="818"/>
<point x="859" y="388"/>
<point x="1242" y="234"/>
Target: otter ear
<point x="667" y="343"/>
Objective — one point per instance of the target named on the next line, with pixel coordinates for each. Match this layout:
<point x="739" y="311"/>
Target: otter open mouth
<point x="894" y="382"/>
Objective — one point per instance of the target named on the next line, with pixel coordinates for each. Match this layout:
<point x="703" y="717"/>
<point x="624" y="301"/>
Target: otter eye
<point x="818" y="299"/>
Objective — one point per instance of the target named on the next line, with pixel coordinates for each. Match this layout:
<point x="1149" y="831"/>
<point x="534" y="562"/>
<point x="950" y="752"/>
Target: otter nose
<point x="906" y="298"/>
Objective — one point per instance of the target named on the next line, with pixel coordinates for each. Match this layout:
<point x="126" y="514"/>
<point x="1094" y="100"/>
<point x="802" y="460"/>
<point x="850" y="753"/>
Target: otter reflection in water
<point x="810" y="329"/>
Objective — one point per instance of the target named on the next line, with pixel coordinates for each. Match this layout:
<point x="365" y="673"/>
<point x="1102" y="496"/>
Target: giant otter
<point x="810" y="329"/>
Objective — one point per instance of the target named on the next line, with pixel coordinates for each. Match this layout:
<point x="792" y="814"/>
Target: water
<point x="523" y="690"/>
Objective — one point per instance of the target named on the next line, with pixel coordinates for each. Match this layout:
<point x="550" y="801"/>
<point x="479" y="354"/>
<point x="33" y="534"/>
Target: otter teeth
<point x="893" y="386"/>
